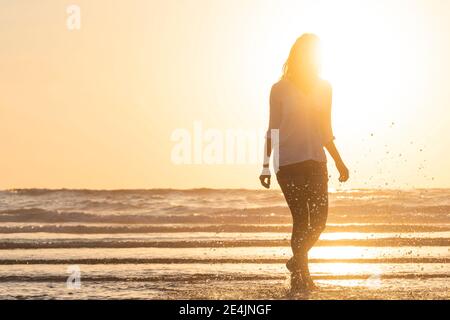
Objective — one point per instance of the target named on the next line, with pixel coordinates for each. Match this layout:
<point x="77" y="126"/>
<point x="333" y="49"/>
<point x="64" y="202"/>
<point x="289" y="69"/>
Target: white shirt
<point x="304" y="122"/>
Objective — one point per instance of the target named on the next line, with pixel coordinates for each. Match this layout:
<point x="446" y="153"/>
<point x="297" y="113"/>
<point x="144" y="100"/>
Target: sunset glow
<point x="96" y="108"/>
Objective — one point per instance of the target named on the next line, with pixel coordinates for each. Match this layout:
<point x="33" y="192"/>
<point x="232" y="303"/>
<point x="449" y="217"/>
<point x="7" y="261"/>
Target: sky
<point x="113" y="104"/>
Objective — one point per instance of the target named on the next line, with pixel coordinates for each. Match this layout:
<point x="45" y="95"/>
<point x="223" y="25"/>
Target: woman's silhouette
<point x="299" y="130"/>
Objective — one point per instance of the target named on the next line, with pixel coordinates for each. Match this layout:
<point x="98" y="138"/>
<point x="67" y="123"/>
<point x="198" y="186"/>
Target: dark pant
<point x="305" y="188"/>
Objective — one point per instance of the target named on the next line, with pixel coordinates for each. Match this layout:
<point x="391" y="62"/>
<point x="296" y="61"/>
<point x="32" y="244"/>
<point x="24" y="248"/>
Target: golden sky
<point x="97" y="107"/>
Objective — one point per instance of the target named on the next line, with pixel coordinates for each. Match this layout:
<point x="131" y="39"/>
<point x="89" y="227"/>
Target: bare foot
<point x="297" y="283"/>
<point x="306" y="276"/>
<point x="309" y="283"/>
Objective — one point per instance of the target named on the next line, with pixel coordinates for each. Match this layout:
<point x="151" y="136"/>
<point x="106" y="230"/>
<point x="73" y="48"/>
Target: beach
<point x="219" y="244"/>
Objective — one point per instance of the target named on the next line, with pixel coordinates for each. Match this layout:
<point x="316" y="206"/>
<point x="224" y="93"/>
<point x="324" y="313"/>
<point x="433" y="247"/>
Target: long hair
<point x="303" y="61"/>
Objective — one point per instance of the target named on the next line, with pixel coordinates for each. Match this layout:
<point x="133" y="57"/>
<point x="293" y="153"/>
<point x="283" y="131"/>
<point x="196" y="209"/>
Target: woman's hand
<point x="265" y="177"/>
<point x="343" y="171"/>
<point x="265" y="181"/>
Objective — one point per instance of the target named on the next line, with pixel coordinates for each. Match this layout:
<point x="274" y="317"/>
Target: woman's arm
<point x="274" y="123"/>
<point x="264" y="178"/>
<point x="334" y="153"/>
<point x="328" y="138"/>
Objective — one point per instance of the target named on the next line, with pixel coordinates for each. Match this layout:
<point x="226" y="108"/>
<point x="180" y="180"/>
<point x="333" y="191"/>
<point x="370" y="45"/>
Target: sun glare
<point x="362" y="57"/>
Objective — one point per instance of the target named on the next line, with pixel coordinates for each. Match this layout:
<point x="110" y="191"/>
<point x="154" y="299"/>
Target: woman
<point x="299" y="130"/>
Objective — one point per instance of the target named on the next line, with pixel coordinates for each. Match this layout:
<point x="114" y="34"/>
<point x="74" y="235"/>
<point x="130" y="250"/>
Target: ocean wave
<point x="114" y="261"/>
<point x="234" y="198"/>
<point x="137" y="229"/>
<point x="108" y="243"/>
<point x="216" y="277"/>
<point x="107" y="204"/>
<point x="162" y="191"/>
<point x="265" y="215"/>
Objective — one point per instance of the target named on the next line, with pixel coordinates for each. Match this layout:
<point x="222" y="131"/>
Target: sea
<point x="219" y="244"/>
